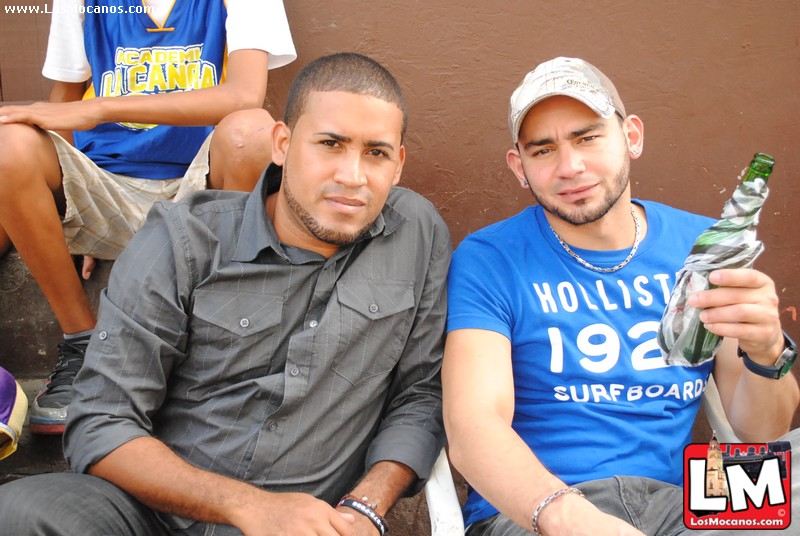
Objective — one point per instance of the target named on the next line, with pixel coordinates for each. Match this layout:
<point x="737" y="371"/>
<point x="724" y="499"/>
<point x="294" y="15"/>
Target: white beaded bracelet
<point x="550" y="498"/>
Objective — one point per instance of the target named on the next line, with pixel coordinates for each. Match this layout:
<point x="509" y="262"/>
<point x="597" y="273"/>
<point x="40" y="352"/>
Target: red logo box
<point x="737" y="486"/>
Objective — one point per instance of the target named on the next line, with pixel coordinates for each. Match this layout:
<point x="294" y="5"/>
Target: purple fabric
<point x="8" y="395"/>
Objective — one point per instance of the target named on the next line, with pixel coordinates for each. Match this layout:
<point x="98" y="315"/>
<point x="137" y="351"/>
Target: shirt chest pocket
<point x="375" y="319"/>
<point x="235" y="332"/>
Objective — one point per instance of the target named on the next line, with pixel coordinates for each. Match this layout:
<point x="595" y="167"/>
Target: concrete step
<point x="29" y="338"/>
<point x="29" y="333"/>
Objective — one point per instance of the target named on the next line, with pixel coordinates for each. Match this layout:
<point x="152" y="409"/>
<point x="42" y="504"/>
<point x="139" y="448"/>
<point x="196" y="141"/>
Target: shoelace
<point x="69" y="363"/>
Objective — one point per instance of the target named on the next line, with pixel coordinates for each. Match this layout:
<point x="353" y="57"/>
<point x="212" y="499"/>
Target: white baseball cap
<point x="571" y="77"/>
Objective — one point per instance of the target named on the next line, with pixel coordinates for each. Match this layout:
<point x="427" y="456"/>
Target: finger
<point x="342" y="522"/>
<point x="731" y="296"/>
<point x="755" y="334"/>
<point x="736" y="286"/>
<point x="350" y="518"/>
<point x="88" y="267"/>
<point x="739" y="277"/>
<point x="747" y="311"/>
<point x="755" y="327"/>
<point x="11" y="116"/>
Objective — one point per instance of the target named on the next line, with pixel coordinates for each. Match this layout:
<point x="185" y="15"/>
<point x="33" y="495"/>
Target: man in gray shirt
<point x="260" y="356"/>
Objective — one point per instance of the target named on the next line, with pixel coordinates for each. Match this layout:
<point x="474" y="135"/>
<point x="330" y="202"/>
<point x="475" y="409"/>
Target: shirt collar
<point x="258" y="233"/>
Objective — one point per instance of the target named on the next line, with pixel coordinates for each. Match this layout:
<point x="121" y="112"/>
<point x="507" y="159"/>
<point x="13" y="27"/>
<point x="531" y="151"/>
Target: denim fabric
<point x="652" y="506"/>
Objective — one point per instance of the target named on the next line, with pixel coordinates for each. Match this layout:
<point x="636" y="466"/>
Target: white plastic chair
<point x="443" y="505"/>
<point x="712" y="406"/>
<point x="440" y="492"/>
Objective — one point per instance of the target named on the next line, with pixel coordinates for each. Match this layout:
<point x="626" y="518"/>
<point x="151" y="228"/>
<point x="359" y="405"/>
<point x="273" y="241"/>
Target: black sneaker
<point x="48" y="413"/>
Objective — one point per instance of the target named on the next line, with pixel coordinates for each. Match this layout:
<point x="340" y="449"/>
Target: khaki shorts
<point x="104" y="209"/>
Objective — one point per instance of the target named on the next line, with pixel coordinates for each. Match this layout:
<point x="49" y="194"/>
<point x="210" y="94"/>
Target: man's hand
<point x="362" y="526"/>
<point x="384" y="484"/>
<point x="62" y="116"/>
<point x="245" y="87"/>
<point x="87" y="267"/>
<point x="149" y="470"/>
<point x="744" y="306"/>
<point x="298" y="514"/>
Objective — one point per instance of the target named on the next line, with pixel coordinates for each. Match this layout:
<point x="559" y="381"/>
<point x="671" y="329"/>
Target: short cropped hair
<point x="344" y="71"/>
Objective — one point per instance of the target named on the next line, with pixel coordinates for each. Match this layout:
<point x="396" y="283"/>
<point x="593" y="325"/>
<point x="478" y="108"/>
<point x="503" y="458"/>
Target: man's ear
<point x="401" y="156"/>
<point x="633" y="128"/>
<point x="514" y="161"/>
<point x="281" y="136"/>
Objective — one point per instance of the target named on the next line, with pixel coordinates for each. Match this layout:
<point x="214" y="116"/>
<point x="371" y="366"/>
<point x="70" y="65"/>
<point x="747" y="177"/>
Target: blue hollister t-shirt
<point x="593" y="395"/>
<point x="131" y="55"/>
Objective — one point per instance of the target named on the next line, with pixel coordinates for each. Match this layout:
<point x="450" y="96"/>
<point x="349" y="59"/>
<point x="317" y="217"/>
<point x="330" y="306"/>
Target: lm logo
<point x="737" y="486"/>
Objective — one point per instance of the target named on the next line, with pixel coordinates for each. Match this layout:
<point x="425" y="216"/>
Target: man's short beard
<point x="317" y="230"/>
<point x="582" y="217"/>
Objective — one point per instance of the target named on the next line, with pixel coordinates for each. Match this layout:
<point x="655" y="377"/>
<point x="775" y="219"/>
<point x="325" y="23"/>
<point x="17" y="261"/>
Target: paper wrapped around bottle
<point x="729" y="243"/>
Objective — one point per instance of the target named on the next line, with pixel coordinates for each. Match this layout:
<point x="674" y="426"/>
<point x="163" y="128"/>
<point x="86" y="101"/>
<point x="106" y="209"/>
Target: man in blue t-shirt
<point x="560" y="410"/>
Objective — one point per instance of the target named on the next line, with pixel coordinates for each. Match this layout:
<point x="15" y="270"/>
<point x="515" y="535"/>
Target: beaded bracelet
<point x="547" y="500"/>
<point x="366" y="509"/>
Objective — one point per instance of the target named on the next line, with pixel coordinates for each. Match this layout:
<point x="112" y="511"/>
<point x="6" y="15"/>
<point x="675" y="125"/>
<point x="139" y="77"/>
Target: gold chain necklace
<point x="590" y="266"/>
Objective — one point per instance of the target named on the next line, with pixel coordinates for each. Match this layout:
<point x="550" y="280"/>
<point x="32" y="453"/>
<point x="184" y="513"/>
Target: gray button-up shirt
<point x="265" y="362"/>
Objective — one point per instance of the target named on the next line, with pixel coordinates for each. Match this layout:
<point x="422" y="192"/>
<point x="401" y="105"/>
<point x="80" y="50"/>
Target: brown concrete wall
<point x="23" y="40"/>
<point x="714" y="82"/>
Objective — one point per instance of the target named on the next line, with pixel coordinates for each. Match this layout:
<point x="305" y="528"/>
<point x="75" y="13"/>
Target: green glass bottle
<point x="716" y="239"/>
<point x="728" y="243"/>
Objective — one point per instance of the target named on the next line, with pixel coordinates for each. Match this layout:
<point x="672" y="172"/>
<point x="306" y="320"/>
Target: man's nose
<point x="350" y="170"/>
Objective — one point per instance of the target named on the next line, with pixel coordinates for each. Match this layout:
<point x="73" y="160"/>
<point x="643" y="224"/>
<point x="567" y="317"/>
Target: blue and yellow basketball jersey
<point x="130" y="54"/>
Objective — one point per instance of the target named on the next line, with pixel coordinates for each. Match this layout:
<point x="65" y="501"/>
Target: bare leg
<point x="31" y="198"/>
<point x="240" y="150"/>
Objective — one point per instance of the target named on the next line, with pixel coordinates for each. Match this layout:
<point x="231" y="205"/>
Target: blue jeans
<point x="655" y="508"/>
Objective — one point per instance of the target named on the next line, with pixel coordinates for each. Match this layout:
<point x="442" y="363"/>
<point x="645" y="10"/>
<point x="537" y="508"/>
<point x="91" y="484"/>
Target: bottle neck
<point x="760" y="166"/>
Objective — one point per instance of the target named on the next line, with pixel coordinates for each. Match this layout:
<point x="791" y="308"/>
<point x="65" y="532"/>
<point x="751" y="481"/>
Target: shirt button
<point x="244" y="322"/>
<point x="313" y="324"/>
<point x="103" y="335"/>
<point x="373" y="308"/>
<point x="294" y="371"/>
<point x="272" y="426"/>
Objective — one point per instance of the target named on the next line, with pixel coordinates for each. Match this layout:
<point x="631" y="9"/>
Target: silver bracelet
<point x="547" y="500"/>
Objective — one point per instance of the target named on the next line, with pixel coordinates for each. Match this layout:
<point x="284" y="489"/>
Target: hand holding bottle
<point x="729" y="243"/>
<point x="743" y="305"/>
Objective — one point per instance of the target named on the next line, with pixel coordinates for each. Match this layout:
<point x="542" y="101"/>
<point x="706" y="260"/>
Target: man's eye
<point x="589" y="138"/>
<point x="541" y="152"/>
<point x="377" y="152"/>
<point x="329" y="143"/>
